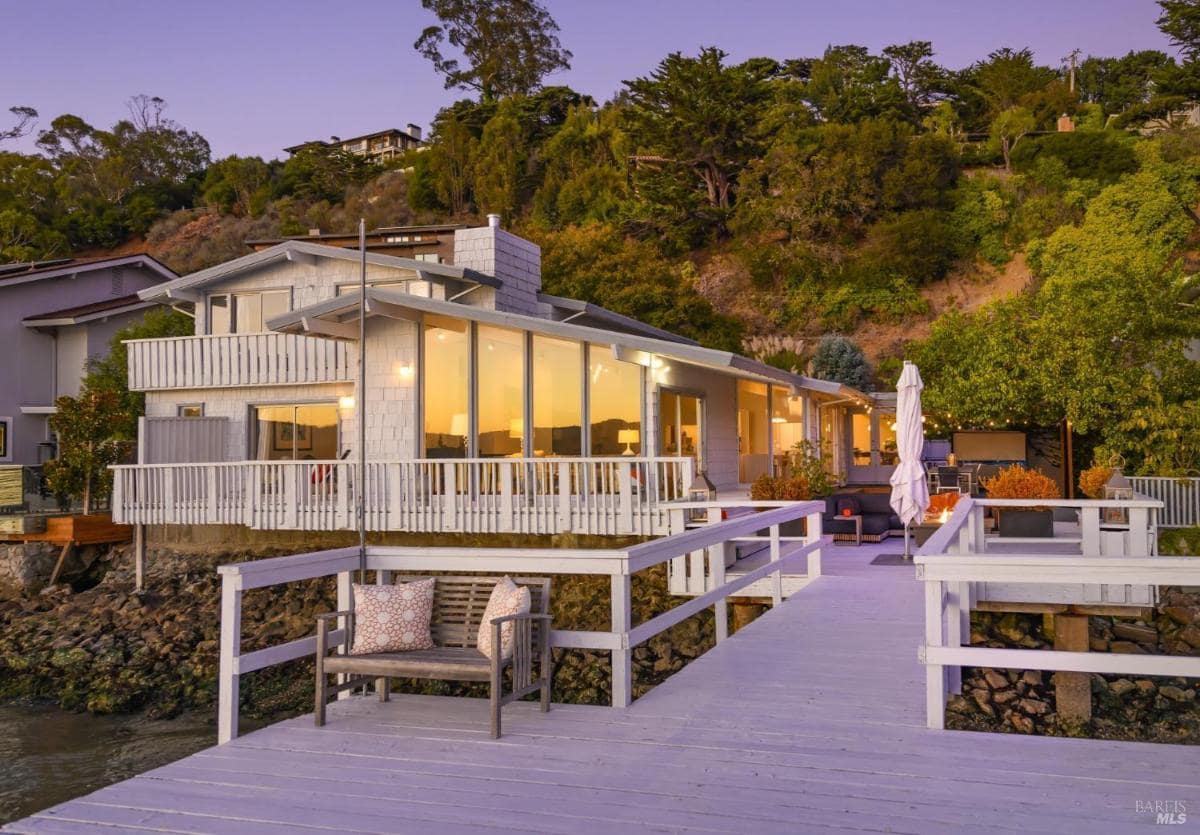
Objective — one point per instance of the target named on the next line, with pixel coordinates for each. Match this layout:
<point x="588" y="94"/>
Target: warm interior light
<point x="346" y="401"/>
<point x="405" y="371"/>
<point x="627" y="437"/>
<point x="516" y="428"/>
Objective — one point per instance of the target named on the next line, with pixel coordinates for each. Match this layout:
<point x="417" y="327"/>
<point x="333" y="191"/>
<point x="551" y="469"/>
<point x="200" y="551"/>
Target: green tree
<point x="508" y="46"/>
<point x="25" y="116"/>
<point x="237" y="185"/>
<point x="1180" y="21"/>
<point x="499" y="163"/>
<point x="87" y="445"/>
<point x="838" y="358"/>
<point x="696" y="116"/>
<point x="1008" y="129"/>
<point x="319" y="172"/>
<point x="849" y="84"/>
<point x="451" y="158"/>
<point x="583" y="170"/>
<point x="919" y="77"/>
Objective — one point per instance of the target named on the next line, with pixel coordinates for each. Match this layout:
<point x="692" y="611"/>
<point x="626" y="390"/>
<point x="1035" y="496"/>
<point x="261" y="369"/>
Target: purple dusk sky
<point x="256" y="75"/>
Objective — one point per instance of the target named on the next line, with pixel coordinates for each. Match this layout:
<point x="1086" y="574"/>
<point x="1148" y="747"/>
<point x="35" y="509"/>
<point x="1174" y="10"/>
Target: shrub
<point x="1093" y="479"/>
<point x="789" y="488"/>
<point x="1179" y="542"/>
<point x="1017" y="482"/>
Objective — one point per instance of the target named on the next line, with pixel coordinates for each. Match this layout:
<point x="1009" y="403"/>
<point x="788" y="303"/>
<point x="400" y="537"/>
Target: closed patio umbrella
<point x="910" y="490"/>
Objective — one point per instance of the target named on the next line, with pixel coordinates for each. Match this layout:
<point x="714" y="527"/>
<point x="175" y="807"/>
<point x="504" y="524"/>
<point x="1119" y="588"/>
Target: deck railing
<point x="1180" y="498"/>
<point x="1109" y="527"/>
<point x="606" y="496"/>
<point x="618" y="564"/>
<point x="948" y="580"/>
<point x="241" y="359"/>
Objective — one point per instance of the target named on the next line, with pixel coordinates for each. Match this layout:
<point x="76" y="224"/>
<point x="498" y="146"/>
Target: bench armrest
<point x="332" y="615"/>
<point x="521" y="616"/>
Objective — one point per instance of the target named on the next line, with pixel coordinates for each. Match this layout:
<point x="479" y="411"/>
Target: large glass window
<point x="445" y="379"/>
<point x="500" y="371"/>
<point x="296" y="432"/>
<point x="246" y="312"/>
<point x="754" y="457"/>
<point x="889" y="455"/>
<point x="860" y="439"/>
<point x="557" y="397"/>
<point x="679" y="425"/>
<point x="787" y="426"/>
<point x="5" y="454"/>
<point x="615" y="403"/>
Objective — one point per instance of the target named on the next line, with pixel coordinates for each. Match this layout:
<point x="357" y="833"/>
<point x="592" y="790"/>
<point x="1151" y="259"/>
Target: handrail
<point x="499" y="459"/>
<point x="619" y="564"/>
<point x="948" y="578"/>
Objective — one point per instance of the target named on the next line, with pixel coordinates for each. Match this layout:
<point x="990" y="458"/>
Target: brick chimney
<point x="1066" y="124"/>
<point x="516" y="262"/>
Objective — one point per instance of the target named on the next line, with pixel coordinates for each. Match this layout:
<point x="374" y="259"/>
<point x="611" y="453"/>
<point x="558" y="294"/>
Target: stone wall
<point x="1157" y="709"/>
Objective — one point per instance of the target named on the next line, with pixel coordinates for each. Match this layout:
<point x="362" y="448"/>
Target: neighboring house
<point x="380" y="146"/>
<point x="490" y="406"/>
<point x="53" y="316"/>
<point x="422" y="243"/>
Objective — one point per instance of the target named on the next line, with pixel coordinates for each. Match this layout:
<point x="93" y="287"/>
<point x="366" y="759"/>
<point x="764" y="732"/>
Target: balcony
<point x="601" y="496"/>
<point x="241" y="359"/>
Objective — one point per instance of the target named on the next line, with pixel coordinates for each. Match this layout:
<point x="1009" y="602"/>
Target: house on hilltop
<point x="380" y="146"/>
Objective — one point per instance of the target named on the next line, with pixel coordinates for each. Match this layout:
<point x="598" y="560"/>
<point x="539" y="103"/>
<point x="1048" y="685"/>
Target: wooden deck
<point x="809" y="720"/>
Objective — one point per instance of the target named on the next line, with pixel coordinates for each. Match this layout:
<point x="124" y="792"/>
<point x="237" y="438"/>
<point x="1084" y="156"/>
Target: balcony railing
<point x="606" y="496"/>
<point x="241" y="359"/>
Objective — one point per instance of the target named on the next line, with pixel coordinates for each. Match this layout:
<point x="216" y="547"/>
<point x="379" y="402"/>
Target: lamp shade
<point x="627" y="436"/>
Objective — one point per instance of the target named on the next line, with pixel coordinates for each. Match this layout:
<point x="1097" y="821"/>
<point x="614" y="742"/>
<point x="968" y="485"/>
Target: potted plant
<point x="1017" y="482"/>
<point x="806" y="475"/>
<point x="1093" y="480"/>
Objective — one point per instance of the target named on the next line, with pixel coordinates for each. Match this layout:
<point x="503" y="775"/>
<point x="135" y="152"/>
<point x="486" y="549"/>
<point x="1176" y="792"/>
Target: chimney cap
<point x="493" y="220"/>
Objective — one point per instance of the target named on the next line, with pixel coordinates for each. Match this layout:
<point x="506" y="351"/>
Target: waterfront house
<point x="54" y="315"/>
<point x="490" y="405"/>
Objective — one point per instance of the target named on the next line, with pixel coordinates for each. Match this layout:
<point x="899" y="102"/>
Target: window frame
<point x="6" y="439"/>
<point x="231" y="305"/>
<point x="252" y="423"/>
<point x="181" y="407"/>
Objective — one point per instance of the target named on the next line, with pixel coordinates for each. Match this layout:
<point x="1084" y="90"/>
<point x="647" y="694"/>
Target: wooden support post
<point x="139" y="557"/>
<point x="62" y="558"/>
<point x="1072" y="691"/>
<point x="622" y="659"/>
<point x="812" y="533"/>
<point x="228" y="691"/>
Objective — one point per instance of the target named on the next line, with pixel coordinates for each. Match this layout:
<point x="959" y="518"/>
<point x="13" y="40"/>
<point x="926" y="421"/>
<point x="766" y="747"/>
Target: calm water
<point x="48" y="755"/>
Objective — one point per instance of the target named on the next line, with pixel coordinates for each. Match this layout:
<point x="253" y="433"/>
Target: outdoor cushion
<point x="392" y="618"/>
<point x="507" y="599"/>
<point x="875" y="502"/>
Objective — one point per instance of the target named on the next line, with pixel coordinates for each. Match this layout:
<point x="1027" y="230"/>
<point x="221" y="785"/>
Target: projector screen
<point x="989" y="446"/>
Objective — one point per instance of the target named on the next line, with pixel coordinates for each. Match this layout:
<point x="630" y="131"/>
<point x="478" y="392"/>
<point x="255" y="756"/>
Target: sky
<point x="257" y="75"/>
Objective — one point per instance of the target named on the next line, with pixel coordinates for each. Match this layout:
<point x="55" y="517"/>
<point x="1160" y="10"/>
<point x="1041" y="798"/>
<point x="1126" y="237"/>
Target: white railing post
<point x="564" y="493"/>
<point x="777" y="575"/>
<point x="228" y="690"/>
<point x="812" y="535"/>
<point x="625" y="491"/>
<point x="344" y="602"/>
<point x="622" y="657"/>
<point x="716" y="569"/>
<point x="449" y="496"/>
<point x="935" y="674"/>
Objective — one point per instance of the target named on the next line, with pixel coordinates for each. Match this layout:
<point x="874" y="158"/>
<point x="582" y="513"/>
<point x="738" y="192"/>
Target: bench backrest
<point x="459" y="603"/>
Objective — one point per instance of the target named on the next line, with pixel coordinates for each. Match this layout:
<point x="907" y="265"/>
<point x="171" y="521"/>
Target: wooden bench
<point x="458" y="606"/>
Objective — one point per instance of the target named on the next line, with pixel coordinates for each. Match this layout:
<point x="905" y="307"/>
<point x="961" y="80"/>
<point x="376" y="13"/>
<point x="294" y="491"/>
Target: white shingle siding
<point x="516" y="262"/>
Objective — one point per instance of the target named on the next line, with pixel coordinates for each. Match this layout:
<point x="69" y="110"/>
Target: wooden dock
<point x="811" y="719"/>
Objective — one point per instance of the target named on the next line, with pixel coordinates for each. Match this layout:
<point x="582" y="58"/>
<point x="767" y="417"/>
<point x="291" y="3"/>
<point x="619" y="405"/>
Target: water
<point x="48" y="755"/>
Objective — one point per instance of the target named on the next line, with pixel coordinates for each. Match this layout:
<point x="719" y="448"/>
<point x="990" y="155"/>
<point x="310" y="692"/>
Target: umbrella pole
<point x="907" y="552"/>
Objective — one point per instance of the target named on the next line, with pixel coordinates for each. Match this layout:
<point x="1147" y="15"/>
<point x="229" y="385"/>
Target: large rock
<point x="25" y="567"/>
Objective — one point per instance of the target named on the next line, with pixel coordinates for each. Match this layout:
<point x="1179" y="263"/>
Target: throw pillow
<point x="392" y="618"/>
<point x="507" y="599"/>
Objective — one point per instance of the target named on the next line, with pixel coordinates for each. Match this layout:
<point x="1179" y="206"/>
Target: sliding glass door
<point x="680" y="426"/>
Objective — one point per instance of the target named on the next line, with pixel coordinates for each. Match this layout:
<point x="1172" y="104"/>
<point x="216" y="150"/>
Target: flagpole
<point x="360" y="497"/>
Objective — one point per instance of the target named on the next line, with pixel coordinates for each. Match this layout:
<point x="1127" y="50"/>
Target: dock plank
<point x="810" y="719"/>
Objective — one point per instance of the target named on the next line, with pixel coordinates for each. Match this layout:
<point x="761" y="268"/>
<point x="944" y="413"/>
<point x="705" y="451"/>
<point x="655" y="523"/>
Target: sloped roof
<point x="86" y="312"/>
<point x="328" y="318"/>
<point x="180" y="288"/>
<point x="13" y="274"/>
